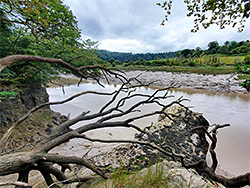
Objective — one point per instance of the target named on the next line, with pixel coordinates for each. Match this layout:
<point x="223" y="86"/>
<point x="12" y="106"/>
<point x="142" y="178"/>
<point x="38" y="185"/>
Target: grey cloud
<point x="91" y="27"/>
<point x="138" y="21"/>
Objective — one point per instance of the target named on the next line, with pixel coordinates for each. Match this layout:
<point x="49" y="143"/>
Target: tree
<point x="220" y="12"/>
<point x="197" y="52"/>
<point x="40" y="159"/>
<point x="244" y="70"/>
<point x="41" y="28"/>
<point x="213" y="47"/>
<point x="45" y="19"/>
<point x="223" y="50"/>
<point x="187" y="53"/>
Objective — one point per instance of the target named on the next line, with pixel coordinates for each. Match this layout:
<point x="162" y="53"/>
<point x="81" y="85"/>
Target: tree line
<point x="126" y="57"/>
<point x="229" y="48"/>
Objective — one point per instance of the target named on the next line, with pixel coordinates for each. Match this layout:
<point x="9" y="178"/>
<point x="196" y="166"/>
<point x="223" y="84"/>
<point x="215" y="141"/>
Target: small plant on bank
<point x="150" y="177"/>
<point x="8" y="94"/>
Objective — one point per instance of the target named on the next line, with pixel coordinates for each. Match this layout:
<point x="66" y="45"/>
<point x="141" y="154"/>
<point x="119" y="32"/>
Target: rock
<point x="176" y="133"/>
<point x="178" y="176"/>
<point x="13" y="108"/>
<point x="37" y="125"/>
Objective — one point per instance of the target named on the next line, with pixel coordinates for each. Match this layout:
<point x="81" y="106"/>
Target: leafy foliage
<point x="244" y="69"/>
<point x="44" y="18"/>
<point x="5" y="94"/>
<point x="41" y="28"/>
<point x="219" y="12"/>
<point x="126" y="57"/>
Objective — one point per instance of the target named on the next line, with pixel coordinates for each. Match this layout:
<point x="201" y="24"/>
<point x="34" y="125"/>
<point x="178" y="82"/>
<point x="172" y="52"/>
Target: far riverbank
<point x="225" y="83"/>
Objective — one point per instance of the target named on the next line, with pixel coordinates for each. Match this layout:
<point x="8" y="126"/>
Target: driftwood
<point x="39" y="158"/>
<point x="202" y="167"/>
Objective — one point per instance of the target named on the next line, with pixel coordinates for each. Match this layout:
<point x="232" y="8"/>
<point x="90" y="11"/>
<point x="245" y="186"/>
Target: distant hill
<point x="127" y="57"/>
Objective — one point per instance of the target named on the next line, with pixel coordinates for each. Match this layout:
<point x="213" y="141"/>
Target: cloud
<point x="125" y="45"/>
<point x="134" y="26"/>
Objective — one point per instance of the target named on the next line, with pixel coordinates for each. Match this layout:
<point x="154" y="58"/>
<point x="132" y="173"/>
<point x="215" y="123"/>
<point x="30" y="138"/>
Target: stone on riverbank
<point x="175" y="132"/>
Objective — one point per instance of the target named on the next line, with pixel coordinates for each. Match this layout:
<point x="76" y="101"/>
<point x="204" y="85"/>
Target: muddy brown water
<point x="233" y="148"/>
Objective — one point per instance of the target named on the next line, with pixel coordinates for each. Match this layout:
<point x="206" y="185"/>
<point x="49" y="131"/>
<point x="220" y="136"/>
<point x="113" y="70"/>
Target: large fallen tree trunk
<point x="39" y="158"/>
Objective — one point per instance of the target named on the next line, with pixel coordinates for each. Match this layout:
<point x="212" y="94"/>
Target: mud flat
<point x="226" y="83"/>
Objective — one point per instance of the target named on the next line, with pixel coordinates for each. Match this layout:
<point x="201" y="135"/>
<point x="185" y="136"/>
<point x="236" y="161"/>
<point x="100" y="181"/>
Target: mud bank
<point x="226" y="83"/>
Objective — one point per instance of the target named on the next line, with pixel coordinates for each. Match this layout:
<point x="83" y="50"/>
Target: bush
<point x="246" y="84"/>
<point x="247" y="60"/>
<point x="191" y="63"/>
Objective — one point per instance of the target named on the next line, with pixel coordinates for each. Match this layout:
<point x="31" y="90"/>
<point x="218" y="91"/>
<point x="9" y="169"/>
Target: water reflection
<point x="233" y="149"/>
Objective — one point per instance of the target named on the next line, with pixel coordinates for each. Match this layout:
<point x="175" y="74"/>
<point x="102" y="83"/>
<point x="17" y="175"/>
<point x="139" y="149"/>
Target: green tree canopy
<point x="219" y="12"/>
<point x="41" y="28"/>
<point x="213" y="47"/>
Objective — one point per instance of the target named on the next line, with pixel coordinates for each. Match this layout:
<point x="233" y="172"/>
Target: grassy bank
<point x="181" y="69"/>
<point x="209" y="64"/>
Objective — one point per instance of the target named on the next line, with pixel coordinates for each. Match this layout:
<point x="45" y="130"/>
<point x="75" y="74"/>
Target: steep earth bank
<point x="36" y="126"/>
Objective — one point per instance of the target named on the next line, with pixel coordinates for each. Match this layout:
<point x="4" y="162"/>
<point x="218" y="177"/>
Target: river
<point x="233" y="148"/>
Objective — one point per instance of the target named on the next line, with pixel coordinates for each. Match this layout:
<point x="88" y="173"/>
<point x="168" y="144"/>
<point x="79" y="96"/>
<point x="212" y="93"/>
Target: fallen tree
<point x="39" y="157"/>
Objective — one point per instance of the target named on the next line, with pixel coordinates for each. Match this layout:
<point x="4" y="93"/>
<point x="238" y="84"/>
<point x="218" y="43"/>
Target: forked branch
<point x="202" y="166"/>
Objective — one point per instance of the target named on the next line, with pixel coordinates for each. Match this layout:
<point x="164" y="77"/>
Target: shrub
<point x="247" y="60"/>
<point x="191" y="63"/>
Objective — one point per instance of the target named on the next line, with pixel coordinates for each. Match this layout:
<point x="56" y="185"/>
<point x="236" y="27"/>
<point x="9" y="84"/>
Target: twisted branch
<point x="202" y="166"/>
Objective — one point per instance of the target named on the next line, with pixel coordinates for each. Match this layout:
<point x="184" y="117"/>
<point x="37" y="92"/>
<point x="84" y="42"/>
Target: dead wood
<point x="203" y="168"/>
<point x="41" y="160"/>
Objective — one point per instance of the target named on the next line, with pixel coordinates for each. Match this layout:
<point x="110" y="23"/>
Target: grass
<point x="122" y="179"/>
<point x="181" y="69"/>
<point x="228" y="60"/>
<point x="215" y="64"/>
<point x="152" y="177"/>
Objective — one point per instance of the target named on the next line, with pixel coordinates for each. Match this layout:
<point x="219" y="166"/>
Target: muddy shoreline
<point x="224" y="83"/>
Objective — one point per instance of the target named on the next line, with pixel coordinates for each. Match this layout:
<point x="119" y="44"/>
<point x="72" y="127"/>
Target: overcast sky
<point x="134" y="26"/>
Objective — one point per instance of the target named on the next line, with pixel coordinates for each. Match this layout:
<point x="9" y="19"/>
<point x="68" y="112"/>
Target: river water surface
<point x="233" y="148"/>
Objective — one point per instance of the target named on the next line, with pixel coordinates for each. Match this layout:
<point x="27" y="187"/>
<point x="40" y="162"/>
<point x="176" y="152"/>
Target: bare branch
<point x="26" y="116"/>
<point x="17" y="183"/>
<point x="202" y="167"/>
<point x="75" y="179"/>
<point x="70" y="159"/>
<point x="153" y="146"/>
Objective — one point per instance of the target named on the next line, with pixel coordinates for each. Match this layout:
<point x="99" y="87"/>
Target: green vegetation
<point x="7" y="94"/>
<point x="154" y="176"/>
<point x="151" y="178"/>
<point x="41" y="28"/>
<point x="244" y="71"/>
<point x="203" y="65"/>
<point x="206" y="13"/>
